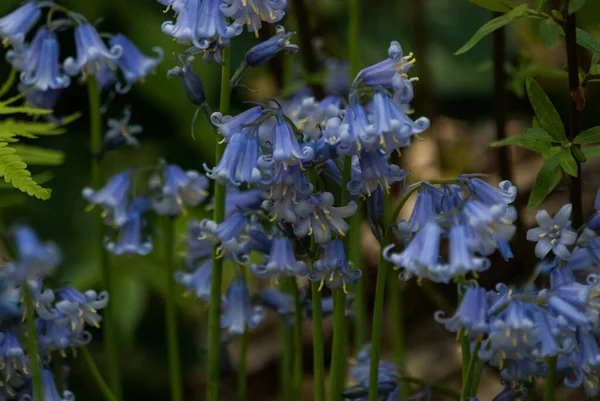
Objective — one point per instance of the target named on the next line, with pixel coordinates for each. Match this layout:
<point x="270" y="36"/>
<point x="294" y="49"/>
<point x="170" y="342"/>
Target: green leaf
<point x="495" y="5"/>
<point x="588" y="136"/>
<point x="39" y="156"/>
<point x="550" y="32"/>
<point x="15" y="171"/>
<point x="539" y="4"/>
<point x="546" y="180"/>
<point x="539" y="133"/>
<point x="545" y="111"/>
<point x="567" y="162"/>
<point x="491" y="26"/>
<point x="578" y="153"/>
<point x="575" y="5"/>
<point x="525" y="141"/>
<point x="23" y="110"/>
<point x="591" y="151"/>
<point x="595" y="64"/>
<point x="586" y="40"/>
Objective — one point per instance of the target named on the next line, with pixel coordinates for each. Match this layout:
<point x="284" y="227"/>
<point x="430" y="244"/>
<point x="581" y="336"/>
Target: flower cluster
<point x="62" y="315"/>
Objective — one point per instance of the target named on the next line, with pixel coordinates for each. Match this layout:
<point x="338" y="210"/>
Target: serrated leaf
<point x="588" y="136"/>
<point x="586" y="40"/>
<point x="567" y="162"/>
<point x="495" y="5"/>
<point x="545" y="111"/>
<point x="39" y="156"/>
<point x="491" y="26"/>
<point x="547" y="179"/>
<point x="15" y="171"/>
<point x="575" y="5"/>
<point x="550" y="31"/>
<point x="591" y="151"/>
<point x="524" y="141"/>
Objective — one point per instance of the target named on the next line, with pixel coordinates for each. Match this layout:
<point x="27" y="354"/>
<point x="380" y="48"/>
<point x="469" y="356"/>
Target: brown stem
<point x="576" y="102"/>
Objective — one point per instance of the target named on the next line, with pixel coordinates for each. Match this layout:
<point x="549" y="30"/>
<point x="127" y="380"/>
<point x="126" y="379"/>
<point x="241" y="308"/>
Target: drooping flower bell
<point x="265" y="51"/>
<point x="553" y="234"/>
<point x="238" y="314"/>
<point x="134" y="65"/>
<point x="14" y="26"/>
<point x="81" y="308"/>
<point x="253" y="12"/>
<point x="471" y="315"/>
<point x="281" y="261"/>
<point x="286" y="149"/>
<point x="50" y="391"/>
<point x="177" y="189"/>
<point x="333" y="269"/>
<point x="131" y="238"/>
<point x="112" y="198"/>
<point x="43" y="68"/>
<point x="120" y="133"/>
<point x="197" y="282"/>
<point x="387" y="73"/>
<point x="35" y="259"/>
<point x="375" y="172"/>
<point x="92" y="53"/>
<point x="192" y="85"/>
<point x="228" y="125"/>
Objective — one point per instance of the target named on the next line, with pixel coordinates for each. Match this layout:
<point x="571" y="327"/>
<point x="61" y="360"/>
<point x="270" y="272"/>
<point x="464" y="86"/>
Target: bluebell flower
<point x="252" y="13"/>
<point x="286" y="149"/>
<point x="12" y="355"/>
<point x="280" y="303"/>
<point x="197" y="282"/>
<point x="178" y="189"/>
<point x="197" y="247"/>
<point x="112" y="198"/>
<point x="387" y="73"/>
<point x="311" y="116"/>
<point x="57" y="335"/>
<point x="318" y="217"/>
<point x="42" y="99"/>
<point x="489" y="227"/>
<point x="358" y="376"/>
<point x="287" y="187"/>
<point x="281" y="261"/>
<point x="134" y="65"/>
<point x="255" y="240"/>
<point x="375" y="172"/>
<point x="176" y="5"/>
<point x="43" y="71"/>
<point x="327" y="307"/>
<point x="356" y="135"/>
<point x="192" y="85"/>
<point x="553" y="234"/>
<point x="131" y="239"/>
<point x="248" y="200"/>
<point x="238" y="314"/>
<point x="333" y="270"/>
<point x="81" y="308"/>
<point x="574" y="302"/>
<point x="506" y="193"/>
<point x="471" y="315"/>
<point x="239" y="161"/>
<point x="92" y="53"/>
<point x="14" y="26"/>
<point x="49" y="389"/>
<point x="423" y="211"/>
<point x="265" y="51"/>
<point x="228" y="125"/>
<point x="35" y="259"/>
<point x="120" y="133"/>
<point x="232" y="226"/>
<point x="519" y="370"/>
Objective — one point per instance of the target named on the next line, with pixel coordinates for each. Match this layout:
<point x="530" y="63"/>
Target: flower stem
<point x="171" y="312"/>
<point x="214" y="314"/>
<point x="287" y="360"/>
<point x="109" y="323"/>
<point x="242" y="380"/>
<point x="360" y="296"/>
<point x="354" y="37"/>
<point x="550" y="386"/>
<point x="465" y="352"/>
<point x="382" y="275"/>
<point x="104" y="389"/>
<point x="32" y="345"/>
<point x="435" y="387"/>
<point x="396" y="316"/>
<point x="468" y="378"/>
<point x="477" y="377"/>
<point x="318" y="348"/>
<point x="338" y="352"/>
<point x="298" y="355"/>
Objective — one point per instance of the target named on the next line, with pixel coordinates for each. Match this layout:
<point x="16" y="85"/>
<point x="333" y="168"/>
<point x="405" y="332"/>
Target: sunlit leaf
<point x="588" y="136"/>
<point x="567" y="162"/>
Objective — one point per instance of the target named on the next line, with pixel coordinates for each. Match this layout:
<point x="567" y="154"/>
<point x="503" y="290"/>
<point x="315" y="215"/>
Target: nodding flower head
<point x="286" y="149"/>
<point x="506" y="193"/>
<point x="120" y="133"/>
<point x="265" y="51"/>
<point x="112" y="198"/>
<point x="92" y="53"/>
<point x="197" y="282"/>
<point x="192" y="85"/>
<point x="42" y="68"/>
<point x="14" y="26"/>
<point x="374" y="172"/>
<point x="12" y="355"/>
<point x="333" y="269"/>
<point x="252" y="13"/>
<point x="80" y="308"/>
<point x="50" y="391"/>
<point x="238" y="314"/>
<point x="389" y="73"/>
<point x="134" y="65"/>
<point x="177" y="189"/>
<point x="472" y="314"/>
<point x="35" y="260"/>
<point x="281" y="261"/>
<point x="553" y="234"/>
<point x="228" y="125"/>
<point x="131" y="238"/>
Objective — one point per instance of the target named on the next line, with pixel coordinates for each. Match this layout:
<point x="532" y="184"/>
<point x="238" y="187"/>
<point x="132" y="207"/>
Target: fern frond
<point x="14" y="171"/>
<point x="23" y="110"/>
<point x="34" y="155"/>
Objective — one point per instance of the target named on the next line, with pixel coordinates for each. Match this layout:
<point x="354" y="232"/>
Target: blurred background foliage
<point x="454" y="89"/>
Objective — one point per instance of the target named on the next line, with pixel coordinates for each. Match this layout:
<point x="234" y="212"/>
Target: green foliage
<point x="591" y="151"/>
<point x="588" y="136"/>
<point x="529" y="141"/>
<point x="14" y="158"/>
<point x="492" y="25"/>
<point x="575" y="5"/>
<point x="567" y="162"/>
<point x="546" y="180"/>
<point x="495" y="5"/>
<point x="550" y="32"/>
<point x="517" y="83"/>
<point x="545" y="111"/>
<point x="587" y="41"/>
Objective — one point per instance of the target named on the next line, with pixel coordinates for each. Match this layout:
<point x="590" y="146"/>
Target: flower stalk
<point x="32" y="345"/>
<point x="104" y="388"/>
<point x="298" y="356"/>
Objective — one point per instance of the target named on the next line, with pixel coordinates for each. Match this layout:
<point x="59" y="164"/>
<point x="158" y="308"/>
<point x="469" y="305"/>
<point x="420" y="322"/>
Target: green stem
<point x="242" y="389"/>
<point x="214" y="314"/>
<point x="338" y="352"/>
<point x="382" y="275"/>
<point x="465" y="352"/>
<point x="436" y="388"/>
<point x="109" y="322"/>
<point x="287" y="360"/>
<point x="104" y="389"/>
<point x="298" y="355"/>
<point x="354" y="37"/>
<point x="477" y="377"/>
<point x="468" y="379"/>
<point x="32" y="345"/>
<point x="396" y="316"/>
<point x="171" y="312"/>
<point x="359" y="290"/>
<point x="550" y="386"/>
<point x="318" y="348"/>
